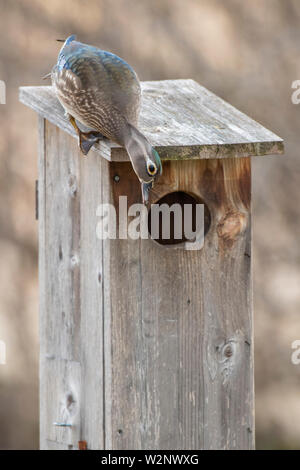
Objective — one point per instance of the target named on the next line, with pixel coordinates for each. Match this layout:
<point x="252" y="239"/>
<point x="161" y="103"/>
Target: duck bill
<point x="146" y="187"/>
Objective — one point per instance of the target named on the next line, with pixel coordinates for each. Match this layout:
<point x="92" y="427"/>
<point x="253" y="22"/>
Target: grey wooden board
<point x="42" y="283"/>
<point x="63" y="401"/>
<point x="91" y="301"/>
<point x="181" y="119"/>
<point x="70" y="266"/>
<point x="179" y="323"/>
<point x="155" y="346"/>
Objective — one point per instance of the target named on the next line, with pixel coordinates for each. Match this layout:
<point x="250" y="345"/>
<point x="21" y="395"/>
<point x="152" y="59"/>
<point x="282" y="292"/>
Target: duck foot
<point x="86" y="139"/>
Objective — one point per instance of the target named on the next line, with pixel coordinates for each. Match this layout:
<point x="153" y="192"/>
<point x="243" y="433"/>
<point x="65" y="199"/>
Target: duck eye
<point x="151" y="168"/>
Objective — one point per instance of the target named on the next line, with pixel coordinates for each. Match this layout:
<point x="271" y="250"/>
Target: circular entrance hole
<point x="171" y="227"/>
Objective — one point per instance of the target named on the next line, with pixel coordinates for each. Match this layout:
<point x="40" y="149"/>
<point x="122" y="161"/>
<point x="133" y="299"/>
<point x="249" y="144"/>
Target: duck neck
<point x="136" y="144"/>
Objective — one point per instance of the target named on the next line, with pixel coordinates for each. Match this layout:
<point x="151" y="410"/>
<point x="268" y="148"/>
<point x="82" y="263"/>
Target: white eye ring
<point x="151" y="168"/>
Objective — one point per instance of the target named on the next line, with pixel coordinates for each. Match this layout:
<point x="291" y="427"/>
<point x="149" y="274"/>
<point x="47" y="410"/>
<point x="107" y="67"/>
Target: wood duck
<point x="101" y="91"/>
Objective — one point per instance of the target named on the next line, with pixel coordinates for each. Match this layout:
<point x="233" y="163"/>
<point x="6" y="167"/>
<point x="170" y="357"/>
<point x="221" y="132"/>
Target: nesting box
<point x="147" y="344"/>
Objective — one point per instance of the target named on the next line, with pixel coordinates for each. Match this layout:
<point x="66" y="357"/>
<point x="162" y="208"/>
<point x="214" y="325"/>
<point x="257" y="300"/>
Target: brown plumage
<point x="103" y="92"/>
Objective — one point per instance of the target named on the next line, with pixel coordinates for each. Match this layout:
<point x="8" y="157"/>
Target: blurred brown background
<point x="248" y="53"/>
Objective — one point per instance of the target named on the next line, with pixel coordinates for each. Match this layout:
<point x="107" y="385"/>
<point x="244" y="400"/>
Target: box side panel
<point x="181" y="363"/>
<point x="71" y="305"/>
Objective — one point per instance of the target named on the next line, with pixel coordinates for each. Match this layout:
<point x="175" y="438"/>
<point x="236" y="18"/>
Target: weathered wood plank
<point x="91" y="297"/>
<point x="59" y="272"/>
<point x="63" y="401"/>
<point x="70" y="269"/>
<point x="42" y="279"/>
<point x="180" y="324"/>
<point x="195" y="125"/>
<point x="62" y="227"/>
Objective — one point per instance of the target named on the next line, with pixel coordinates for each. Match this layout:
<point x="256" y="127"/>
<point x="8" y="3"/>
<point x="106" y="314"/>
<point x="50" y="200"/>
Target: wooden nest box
<point x="145" y="347"/>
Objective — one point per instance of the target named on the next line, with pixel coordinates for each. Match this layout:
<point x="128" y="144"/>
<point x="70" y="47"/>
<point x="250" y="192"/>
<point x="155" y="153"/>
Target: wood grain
<point x="182" y="120"/>
<point x="42" y="280"/>
<point x="181" y="321"/>
<point x="154" y="349"/>
<point x="144" y="346"/>
<point x="70" y="270"/>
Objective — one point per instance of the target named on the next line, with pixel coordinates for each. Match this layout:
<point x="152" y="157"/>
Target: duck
<point x="102" y="92"/>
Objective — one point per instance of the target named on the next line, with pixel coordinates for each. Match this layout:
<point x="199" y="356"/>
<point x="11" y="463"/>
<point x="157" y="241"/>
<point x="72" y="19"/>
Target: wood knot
<point x="70" y="402"/>
<point x="228" y="352"/>
<point x="68" y="408"/>
<point x="231" y="226"/>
